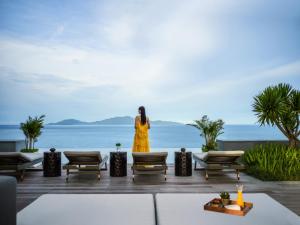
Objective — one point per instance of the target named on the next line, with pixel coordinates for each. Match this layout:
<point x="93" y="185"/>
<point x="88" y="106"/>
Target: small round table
<point x="52" y="164"/>
<point x="183" y="163"/>
<point x="118" y="164"/>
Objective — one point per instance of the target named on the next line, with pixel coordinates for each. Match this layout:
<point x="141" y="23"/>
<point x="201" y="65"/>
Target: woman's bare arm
<point x="148" y="122"/>
<point x="136" y="122"/>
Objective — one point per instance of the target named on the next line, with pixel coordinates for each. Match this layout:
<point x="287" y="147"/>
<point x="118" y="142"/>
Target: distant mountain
<point x="119" y="120"/>
<point x="165" y="123"/>
<point x="116" y="120"/>
<point x="69" y="122"/>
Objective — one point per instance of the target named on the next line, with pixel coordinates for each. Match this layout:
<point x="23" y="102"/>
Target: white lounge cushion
<point x="32" y="156"/>
<point x="201" y="156"/>
<point x="225" y="153"/>
<point x="204" y="155"/>
<point x="26" y="156"/>
<point x="89" y="209"/>
<point x="187" y="209"/>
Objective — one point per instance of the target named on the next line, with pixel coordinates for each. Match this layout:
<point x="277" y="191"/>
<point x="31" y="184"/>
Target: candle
<point x="240" y="200"/>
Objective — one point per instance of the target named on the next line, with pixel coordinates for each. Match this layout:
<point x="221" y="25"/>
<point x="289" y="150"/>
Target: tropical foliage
<point x="32" y="129"/>
<point x="280" y="105"/>
<point x="210" y="130"/>
<point x="273" y="162"/>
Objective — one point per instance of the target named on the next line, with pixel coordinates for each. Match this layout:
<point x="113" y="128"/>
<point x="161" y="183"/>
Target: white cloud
<point x="59" y="30"/>
<point x="171" y="37"/>
<point x="120" y="32"/>
<point x="235" y="82"/>
<point x="127" y="72"/>
<point x="169" y="54"/>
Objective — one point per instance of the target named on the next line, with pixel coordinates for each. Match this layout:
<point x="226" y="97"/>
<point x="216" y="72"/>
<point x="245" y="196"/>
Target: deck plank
<point x="35" y="185"/>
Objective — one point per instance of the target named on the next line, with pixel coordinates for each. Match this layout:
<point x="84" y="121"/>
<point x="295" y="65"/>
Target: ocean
<point x="162" y="138"/>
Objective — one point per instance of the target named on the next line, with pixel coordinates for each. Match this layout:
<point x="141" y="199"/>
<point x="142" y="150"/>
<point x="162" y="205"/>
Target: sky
<point x="92" y="60"/>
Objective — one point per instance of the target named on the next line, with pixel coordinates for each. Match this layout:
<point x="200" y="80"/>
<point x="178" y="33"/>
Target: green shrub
<point x="29" y="150"/>
<point x="273" y="162"/>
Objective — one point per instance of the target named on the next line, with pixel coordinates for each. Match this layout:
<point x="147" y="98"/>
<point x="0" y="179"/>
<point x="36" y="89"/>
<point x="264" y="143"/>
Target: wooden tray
<point x="221" y="209"/>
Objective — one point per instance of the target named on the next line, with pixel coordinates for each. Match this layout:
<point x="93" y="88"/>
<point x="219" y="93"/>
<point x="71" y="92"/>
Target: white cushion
<point x="32" y="156"/>
<point x="89" y="209"/>
<point x="27" y="156"/>
<point x="187" y="209"/>
<point x="201" y="156"/>
<point x="204" y="155"/>
<point x="225" y="153"/>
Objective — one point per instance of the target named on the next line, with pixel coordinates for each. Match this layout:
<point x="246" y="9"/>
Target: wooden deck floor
<point x="35" y="185"/>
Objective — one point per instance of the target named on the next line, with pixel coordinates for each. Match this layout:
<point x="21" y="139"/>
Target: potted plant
<point x="32" y="129"/>
<point x="210" y="130"/>
<point x="118" y="146"/>
<point x="225" y="198"/>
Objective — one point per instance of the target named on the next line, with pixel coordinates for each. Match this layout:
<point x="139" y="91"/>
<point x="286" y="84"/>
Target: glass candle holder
<point x="240" y="200"/>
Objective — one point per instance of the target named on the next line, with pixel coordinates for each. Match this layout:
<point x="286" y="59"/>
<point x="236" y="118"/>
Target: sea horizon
<point x="162" y="138"/>
<point x="105" y="136"/>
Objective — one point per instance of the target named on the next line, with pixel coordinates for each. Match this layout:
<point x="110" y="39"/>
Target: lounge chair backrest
<point x="83" y="157"/>
<point x="151" y="158"/>
<point x="224" y="157"/>
<point x="12" y="158"/>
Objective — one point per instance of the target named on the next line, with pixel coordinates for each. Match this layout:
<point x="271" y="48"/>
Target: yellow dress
<point x="141" y="139"/>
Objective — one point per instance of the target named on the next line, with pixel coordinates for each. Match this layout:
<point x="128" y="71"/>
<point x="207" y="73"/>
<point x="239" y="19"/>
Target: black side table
<point x="52" y="164"/>
<point x="118" y="164"/>
<point x="183" y="163"/>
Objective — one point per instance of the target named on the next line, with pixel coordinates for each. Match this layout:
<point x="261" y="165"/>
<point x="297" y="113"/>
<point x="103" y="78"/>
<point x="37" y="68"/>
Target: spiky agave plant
<point x="280" y="106"/>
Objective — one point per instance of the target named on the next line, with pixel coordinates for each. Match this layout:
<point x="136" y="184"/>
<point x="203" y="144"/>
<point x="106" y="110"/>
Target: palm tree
<point x="32" y="129"/>
<point x="210" y="130"/>
<point x="280" y="105"/>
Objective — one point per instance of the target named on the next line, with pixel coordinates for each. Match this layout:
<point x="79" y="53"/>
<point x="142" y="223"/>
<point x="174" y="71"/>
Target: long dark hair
<point x="143" y="114"/>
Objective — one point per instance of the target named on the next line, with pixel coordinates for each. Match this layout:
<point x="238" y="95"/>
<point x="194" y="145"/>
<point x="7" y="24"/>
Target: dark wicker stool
<point x="183" y="164"/>
<point x="52" y="164"/>
<point x="118" y="164"/>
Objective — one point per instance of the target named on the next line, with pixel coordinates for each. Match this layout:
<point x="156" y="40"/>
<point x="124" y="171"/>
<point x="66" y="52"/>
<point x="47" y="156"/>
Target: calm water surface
<point x="166" y="138"/>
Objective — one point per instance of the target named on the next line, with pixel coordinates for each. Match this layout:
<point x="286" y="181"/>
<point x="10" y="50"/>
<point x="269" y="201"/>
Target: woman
<point x="142" y="124"/>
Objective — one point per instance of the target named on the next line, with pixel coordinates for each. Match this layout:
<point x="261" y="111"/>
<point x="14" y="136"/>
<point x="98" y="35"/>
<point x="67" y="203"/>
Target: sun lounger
<point x="84" y="162"/>
<point x="18" y="162"/>
<point x="89" y="209"/>
<point x="219" y="160"/>
<point x="149" y="163"/>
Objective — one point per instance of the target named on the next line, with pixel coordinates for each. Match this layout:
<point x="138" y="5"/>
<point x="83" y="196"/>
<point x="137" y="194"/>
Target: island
<point x="118" y="120"/>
